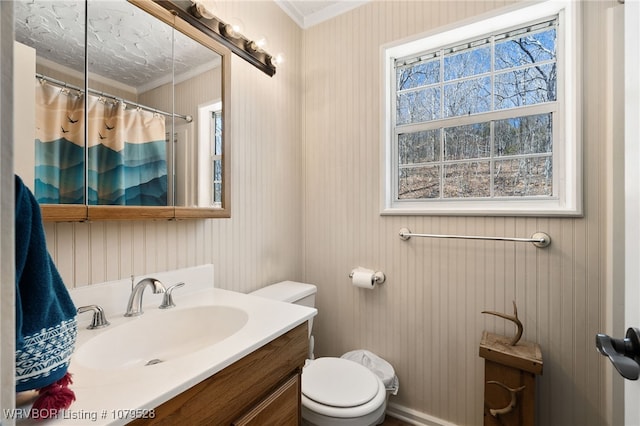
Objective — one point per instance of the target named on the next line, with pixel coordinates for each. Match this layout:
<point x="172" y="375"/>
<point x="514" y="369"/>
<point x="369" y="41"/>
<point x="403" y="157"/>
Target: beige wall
<point x="426" y="319"/>
<point x="305" y="202"/>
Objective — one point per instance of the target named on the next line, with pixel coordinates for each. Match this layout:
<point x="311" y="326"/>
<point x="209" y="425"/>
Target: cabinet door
<point x="523" y="413"/>
<point x="279" y="408"/>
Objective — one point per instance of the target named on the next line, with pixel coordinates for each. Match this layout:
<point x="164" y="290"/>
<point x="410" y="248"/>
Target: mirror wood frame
<point x="79" y="213"/>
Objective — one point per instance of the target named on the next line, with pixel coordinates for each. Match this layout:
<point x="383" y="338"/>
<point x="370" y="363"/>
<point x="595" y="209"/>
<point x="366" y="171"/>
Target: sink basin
<point x="160" y="336"/>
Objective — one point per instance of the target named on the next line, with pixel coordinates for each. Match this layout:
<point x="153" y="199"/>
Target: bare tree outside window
<point x="479" y="118"/>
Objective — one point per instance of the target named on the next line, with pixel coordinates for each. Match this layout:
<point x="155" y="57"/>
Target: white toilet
<point x="335" y="391"/>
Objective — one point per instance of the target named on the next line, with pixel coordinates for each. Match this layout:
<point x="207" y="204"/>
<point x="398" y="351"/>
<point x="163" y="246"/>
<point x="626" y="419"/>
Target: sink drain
<point x="153" y="361"/>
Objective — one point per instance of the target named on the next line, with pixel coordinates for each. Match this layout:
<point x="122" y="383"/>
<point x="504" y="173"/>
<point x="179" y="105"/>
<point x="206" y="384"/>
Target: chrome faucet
<point x="134" y="307"/>
<point x="167" y="299"/>
<point x="98" y="320"/>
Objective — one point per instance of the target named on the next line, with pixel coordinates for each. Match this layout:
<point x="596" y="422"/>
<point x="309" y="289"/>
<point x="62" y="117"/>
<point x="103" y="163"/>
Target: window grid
<point x="490" y="117"/>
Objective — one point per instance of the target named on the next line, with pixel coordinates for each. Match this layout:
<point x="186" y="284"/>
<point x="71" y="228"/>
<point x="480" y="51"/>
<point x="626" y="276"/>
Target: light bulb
<point x="227" y="30"/>
<point x="237" y="25"/>
<point x="277" y="59"/>
<point x="252" y="46"/>
<point x="205" y="8"/>
<point x="261" y="42"/>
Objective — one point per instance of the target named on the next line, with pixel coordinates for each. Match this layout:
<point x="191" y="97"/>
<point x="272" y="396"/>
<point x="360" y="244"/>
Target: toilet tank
<point x="290" y="292"/>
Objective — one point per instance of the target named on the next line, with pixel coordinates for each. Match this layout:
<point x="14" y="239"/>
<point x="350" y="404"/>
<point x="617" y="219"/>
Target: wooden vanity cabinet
<point x="263" y="388"/>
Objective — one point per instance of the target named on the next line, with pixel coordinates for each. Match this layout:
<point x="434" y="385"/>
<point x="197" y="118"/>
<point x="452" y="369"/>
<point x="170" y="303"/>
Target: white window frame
<point x="567" y="142"/>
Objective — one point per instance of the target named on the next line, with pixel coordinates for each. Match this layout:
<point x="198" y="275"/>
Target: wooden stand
<point x="514" y="368"/>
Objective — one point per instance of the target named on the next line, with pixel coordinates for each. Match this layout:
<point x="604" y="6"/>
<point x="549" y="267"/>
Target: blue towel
<point x="45" y="314"/>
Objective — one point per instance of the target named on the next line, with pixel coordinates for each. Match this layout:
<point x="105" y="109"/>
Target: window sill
<point x="524" y="208"/>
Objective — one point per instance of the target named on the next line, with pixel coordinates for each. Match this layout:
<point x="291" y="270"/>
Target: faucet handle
<point x="167" y="300"/>
<point x="98" y="320"/>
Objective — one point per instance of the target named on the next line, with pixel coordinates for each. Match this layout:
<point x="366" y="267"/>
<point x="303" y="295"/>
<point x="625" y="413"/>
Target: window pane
<point x="422" y="74"/>
<point x="528" y="86"/>
<point x="419" y="106"/>
<point x="217" y="120"/>
<point x="468" y="63"/>
<point x="467" y="97"/>
<point x="523" y="177"/>
<point x="462" y="142"/>
<point x="419" y="147"/>
<point x="217" y="193"/>
<point x="524" y="135"/>
<point x="526" y="50"/>
<point x="419" y="183"/>
<point x="217" y="170"/>
<point x="467" y="180"/>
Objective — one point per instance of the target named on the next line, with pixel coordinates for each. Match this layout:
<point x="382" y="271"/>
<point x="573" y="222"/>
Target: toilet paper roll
<point x="363" y="278"/>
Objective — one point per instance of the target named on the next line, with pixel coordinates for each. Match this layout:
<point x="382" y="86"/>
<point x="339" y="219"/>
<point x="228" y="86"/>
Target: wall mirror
<point x="123" y="112"/>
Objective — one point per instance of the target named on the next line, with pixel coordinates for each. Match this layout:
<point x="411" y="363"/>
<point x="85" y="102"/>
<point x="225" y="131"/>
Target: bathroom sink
<point x="159" y="336"/>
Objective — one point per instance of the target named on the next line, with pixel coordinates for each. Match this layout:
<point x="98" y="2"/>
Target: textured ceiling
<point x="125" y="44"/>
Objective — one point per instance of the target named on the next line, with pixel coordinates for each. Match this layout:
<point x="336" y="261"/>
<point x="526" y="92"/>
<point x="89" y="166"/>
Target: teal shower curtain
<point x="59" y="150"/>
<point x="127" y="153"/>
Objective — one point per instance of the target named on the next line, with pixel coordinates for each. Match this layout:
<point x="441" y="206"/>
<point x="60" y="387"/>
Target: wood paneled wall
<point x="426" y="318"/>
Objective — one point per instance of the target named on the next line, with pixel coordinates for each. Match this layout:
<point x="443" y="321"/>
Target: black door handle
<point x="624" y="354"/>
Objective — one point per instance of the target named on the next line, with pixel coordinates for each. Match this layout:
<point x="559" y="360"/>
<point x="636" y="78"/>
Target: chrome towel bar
<point x="539" y="239"/>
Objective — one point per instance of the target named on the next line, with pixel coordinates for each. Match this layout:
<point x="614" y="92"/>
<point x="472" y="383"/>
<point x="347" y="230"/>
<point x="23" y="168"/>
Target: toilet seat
<point x="341" y="388"/>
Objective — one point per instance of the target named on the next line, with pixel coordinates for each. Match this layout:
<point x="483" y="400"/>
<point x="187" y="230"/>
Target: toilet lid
<point x="338" y="382"/>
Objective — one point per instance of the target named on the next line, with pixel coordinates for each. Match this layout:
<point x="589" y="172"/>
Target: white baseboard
<point x="414" y="417"/>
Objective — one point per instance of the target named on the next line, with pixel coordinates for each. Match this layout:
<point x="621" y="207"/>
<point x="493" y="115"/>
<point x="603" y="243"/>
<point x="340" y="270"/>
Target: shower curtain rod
<point x="65" y="85"/>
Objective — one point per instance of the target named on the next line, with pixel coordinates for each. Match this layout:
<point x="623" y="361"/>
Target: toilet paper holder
<point x="377" y="278"/>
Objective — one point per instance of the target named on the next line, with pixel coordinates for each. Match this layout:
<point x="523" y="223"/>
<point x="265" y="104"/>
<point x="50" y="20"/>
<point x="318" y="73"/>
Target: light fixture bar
<point x="220" y="31"/>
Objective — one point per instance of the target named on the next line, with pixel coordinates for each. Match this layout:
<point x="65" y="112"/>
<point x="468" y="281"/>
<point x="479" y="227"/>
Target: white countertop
<point x="115" y="397"/>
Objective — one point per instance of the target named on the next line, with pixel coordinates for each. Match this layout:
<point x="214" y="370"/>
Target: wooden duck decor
<point x="511" y="366"/>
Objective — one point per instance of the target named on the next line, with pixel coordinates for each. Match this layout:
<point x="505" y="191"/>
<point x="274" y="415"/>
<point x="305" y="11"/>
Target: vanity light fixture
<point x="200" y="14"/>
